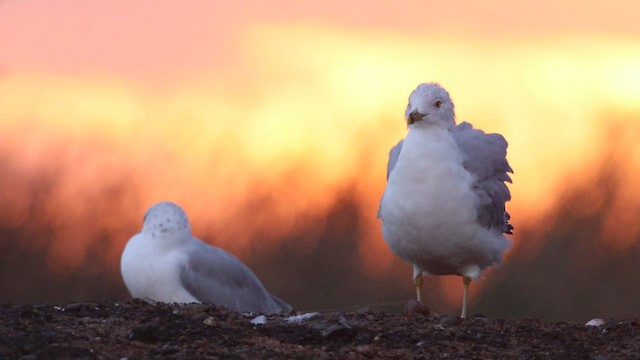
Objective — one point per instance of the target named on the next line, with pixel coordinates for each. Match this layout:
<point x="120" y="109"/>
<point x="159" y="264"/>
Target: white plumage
<point x="443" y="207"/>
<point x="164" y="262"/>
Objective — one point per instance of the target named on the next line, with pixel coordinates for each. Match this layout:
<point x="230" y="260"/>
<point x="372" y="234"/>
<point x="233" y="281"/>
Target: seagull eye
<point x="438" y="103"/>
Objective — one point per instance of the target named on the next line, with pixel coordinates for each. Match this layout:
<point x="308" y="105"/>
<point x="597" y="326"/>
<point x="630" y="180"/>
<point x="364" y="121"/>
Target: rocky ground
<point x="137" y="330"/>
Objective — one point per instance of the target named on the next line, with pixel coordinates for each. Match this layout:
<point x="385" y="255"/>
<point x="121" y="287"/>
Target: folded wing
<point x="485" y="157"/>
<point x="213" y="275"/>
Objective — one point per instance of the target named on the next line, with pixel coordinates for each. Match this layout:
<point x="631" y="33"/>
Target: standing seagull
<point x="443" y="209"/>
<point x="164" y="262"/>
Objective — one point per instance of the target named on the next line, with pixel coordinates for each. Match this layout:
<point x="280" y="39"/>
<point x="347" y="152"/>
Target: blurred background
<point x="270" y="124"/>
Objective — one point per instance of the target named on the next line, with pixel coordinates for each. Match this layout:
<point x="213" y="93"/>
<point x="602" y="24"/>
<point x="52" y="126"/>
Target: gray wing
<point x="485" y="157"/>
<point x="213" y="275"/>
<point x="394" y="153"/>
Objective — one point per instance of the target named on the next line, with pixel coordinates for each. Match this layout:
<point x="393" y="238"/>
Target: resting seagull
<point x="164" y="262"/>
<point x="443" y="209"/>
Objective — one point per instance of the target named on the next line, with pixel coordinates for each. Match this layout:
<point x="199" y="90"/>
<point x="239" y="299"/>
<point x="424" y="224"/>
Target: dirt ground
<point x="137" y="330"/>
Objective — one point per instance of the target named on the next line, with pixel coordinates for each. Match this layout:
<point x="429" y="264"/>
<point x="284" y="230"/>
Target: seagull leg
<point x="417" y="281"/>
<point x="467" y="281"/>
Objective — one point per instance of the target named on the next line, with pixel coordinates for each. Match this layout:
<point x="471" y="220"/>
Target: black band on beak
<point x="414" y="116"/>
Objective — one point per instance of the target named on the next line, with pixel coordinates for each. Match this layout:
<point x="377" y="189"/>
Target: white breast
<point x="429" y="210"/>
<point x="151" y="272"/>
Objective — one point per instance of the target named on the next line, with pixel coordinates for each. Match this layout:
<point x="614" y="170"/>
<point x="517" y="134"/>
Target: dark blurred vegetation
<point x="568" y="266"/>
<point x="574" y="265"/>
<point x="33" y="226"/>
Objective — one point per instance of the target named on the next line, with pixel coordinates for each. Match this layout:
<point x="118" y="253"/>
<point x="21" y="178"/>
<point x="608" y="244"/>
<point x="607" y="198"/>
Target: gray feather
<point x="485" y="157"/>
<point x="394" y="153"/>
<point x="226" y="281"/>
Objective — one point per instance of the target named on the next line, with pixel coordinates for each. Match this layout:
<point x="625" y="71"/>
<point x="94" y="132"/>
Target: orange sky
<point x="293" y="97"/>
<point x="166" y="39"/>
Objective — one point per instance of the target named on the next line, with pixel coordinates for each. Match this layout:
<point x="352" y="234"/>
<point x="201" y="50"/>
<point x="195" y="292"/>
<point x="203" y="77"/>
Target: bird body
<point x="164" y="262"/>
<point x="443" y="208"/>
<point x="149" y="271"/>
<point x="429" y="212"/>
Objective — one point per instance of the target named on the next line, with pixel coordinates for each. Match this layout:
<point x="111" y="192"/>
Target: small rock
<point x="337" y="331"/>
<point x="344" y="322"/>
<point x="210" y="321"/>
<point x="259" y="320"/>
<point x="448" y="320"/>
<point x="595" y="322"/>
<point x="299" y="318"/>
<point x="415" y="308"/>
<point x="74" y="307"/>
<point x="81" y="306"/>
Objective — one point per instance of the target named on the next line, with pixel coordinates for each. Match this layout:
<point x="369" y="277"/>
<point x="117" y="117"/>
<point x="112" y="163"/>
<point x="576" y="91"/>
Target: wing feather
<point x="485" y="156"/>
<point x="213" y="275"/>
<point x="394" y="153"/>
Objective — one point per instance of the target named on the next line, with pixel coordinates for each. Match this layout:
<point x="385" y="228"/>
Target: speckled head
<point x="430" y="103"/>
<point x="166" y="218"/>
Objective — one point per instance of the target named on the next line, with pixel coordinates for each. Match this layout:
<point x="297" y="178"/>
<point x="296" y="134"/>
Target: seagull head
<point x="430" y="104"/>
<point x="166" y="220"/>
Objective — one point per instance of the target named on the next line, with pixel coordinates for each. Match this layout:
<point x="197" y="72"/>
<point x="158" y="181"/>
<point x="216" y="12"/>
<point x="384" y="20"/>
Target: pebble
<point x="210" y="321"/>
<point x="259" y="320"/>
<point x="415" y="308"/>
<point x="595" y="322"/>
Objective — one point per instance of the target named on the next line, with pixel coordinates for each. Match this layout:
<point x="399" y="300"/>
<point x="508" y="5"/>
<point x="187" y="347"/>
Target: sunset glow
<point x="291" y="113"/>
